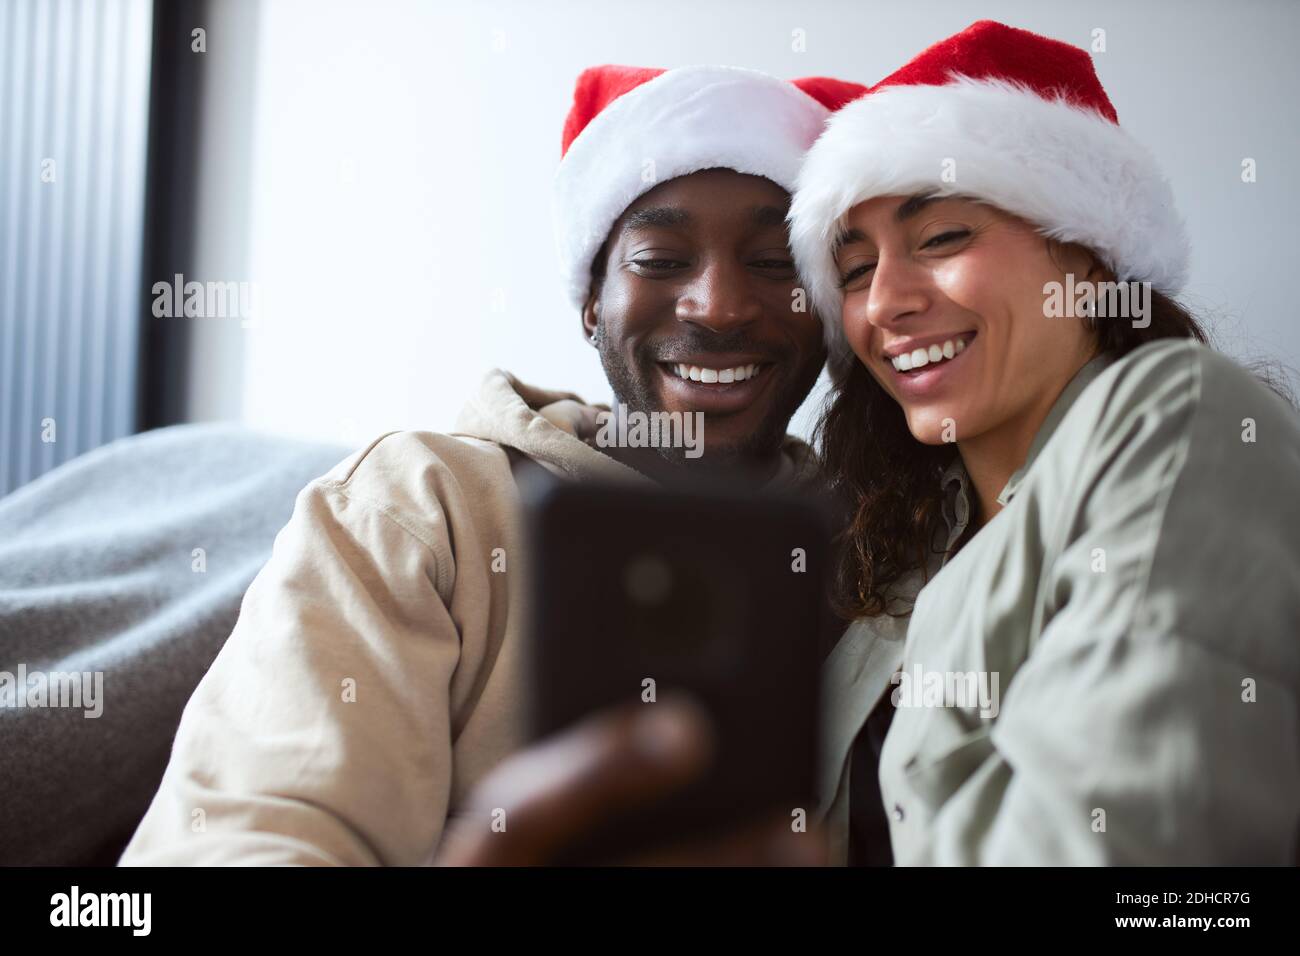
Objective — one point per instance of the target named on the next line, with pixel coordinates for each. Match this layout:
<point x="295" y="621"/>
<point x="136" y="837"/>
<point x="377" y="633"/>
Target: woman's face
<point x="944" y="303"/>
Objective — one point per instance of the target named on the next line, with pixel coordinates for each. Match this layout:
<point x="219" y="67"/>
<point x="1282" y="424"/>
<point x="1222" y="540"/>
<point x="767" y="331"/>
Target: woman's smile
<point x="918" y="367"/>
<point x="910" y="354"/>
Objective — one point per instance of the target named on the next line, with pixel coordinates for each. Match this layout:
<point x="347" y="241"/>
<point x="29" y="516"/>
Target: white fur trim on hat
<point x="683" y="121"/>
<point x="1069" y="170"/>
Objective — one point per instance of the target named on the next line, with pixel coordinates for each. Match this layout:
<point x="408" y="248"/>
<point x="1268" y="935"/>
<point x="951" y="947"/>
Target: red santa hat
<point x="1028" y="128"/>
<point x="632" y="128"/>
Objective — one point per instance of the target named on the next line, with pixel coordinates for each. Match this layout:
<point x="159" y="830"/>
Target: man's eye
<point x="659" y="265"/>
<point x="945" y="237"/>
<point x="856" y="273"/>
<point x="775" y="263"/>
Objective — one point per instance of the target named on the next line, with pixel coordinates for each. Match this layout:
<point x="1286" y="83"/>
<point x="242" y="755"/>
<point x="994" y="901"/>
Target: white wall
<point x="402" y="155"/>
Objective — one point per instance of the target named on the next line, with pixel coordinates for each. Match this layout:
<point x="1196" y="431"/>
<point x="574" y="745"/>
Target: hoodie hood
<point x="512" y="413"/>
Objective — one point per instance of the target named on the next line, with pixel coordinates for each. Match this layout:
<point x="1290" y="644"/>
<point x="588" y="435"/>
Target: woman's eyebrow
<point x="906" y="209"/>
<point x="912" y="205"/>
<point x="851" y="235"/>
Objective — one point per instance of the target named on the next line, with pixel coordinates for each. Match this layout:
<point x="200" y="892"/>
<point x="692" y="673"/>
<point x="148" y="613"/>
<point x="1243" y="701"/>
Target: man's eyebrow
<point x="767" y="216"/>
<point x="676" y="216"/>
<point x="657" y="216"/>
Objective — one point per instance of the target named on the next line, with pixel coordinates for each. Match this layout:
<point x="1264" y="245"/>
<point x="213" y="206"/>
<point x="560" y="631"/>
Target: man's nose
<point x="720" y="297"/>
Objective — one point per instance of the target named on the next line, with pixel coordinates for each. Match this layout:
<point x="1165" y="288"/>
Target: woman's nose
<point x="897" y="291"/>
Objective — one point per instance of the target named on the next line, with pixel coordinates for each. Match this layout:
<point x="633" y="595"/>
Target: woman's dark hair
<point x="889" y="483"/>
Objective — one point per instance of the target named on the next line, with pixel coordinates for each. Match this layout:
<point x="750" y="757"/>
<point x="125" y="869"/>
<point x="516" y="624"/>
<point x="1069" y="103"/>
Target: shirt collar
<point x="956" y="505"/>
<point x="1082" y="379"/>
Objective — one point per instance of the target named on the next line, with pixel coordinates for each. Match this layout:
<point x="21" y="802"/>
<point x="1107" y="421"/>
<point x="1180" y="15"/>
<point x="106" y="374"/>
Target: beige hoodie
<point x="374" y="675"/>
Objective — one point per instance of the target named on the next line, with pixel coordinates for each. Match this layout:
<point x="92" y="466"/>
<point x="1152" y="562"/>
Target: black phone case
<point x="705" y="590"/>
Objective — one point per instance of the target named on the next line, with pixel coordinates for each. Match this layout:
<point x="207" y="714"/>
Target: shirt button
<point x="898" y="813"/>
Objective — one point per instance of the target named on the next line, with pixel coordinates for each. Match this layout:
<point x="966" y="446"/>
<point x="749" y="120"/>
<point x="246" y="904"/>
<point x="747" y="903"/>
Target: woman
<point x="1103" y="665"/>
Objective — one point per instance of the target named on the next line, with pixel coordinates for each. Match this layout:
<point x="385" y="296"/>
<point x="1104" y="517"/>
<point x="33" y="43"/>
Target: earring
<point x="597" y="337"/>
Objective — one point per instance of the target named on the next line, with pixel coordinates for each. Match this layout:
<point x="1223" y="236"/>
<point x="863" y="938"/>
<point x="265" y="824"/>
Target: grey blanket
<point x="129" y="562"/>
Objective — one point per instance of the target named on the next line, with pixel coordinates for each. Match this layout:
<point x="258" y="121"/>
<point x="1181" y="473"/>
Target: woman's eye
<point x="856" y="273"/>
<point x="945" y="237"/>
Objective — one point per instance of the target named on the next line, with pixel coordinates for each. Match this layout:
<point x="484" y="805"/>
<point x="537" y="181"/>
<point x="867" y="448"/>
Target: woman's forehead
<point x="882" y="213"/>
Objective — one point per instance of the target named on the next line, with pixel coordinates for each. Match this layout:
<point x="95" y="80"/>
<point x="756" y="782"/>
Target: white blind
<point x="74" y="92"/>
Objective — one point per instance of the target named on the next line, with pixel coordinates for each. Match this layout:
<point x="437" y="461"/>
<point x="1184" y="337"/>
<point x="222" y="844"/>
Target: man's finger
<point x="538" y="801"/>
<point x="768" y="841"/>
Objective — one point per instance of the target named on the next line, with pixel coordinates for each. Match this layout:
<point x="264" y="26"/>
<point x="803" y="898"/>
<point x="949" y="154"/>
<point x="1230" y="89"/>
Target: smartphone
<point x="635" y="591"/>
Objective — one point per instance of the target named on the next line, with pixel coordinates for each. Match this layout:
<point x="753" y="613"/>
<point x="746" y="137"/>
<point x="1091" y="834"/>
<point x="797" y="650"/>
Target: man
<point x="374" y="677"/>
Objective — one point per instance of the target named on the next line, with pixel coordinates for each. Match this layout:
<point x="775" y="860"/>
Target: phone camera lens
<point x="648" y="579"/>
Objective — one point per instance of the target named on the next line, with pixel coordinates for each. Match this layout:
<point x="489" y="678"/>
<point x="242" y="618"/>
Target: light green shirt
<point x="1137" y="601"/>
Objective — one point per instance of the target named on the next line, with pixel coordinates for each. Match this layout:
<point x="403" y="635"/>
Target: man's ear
<point x="590" y="314"/>
<point x="591" y="309"/>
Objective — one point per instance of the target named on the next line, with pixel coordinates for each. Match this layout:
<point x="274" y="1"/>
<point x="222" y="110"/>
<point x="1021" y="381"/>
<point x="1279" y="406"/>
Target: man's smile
<point x="721" y="384"/>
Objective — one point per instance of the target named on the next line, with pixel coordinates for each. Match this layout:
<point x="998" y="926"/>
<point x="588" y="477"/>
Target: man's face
<point x="698" y="277"/>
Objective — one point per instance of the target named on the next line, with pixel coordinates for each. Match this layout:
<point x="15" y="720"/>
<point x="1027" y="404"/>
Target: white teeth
<point x="719" y="376"/>
<point x="919" y="358"/>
